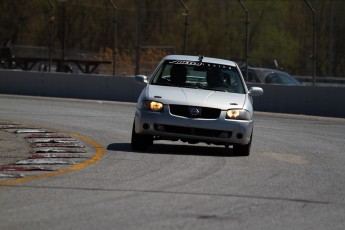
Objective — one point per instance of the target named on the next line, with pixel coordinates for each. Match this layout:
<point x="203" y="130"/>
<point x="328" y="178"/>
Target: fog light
<point x="146" y="126"/>
<point x="239" y="135"/>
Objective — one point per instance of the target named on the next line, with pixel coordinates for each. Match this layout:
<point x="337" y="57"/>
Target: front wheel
<point x="140" y="142"/>
<point x="242" y="150"/>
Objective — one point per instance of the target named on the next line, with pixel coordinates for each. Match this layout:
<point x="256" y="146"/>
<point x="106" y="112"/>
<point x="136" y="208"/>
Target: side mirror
<point x="141" y="78"/>
<point x="256" y="91"/>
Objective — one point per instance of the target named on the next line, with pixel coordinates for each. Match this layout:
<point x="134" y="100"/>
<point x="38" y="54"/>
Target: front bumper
<point x="217" y="131"/>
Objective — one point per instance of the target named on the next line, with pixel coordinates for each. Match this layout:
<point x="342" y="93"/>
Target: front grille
<point x="185" y="111"/>
<point x="192" y="131"/>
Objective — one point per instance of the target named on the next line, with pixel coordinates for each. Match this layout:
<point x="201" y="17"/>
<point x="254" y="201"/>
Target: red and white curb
<point x="51" y="151"/>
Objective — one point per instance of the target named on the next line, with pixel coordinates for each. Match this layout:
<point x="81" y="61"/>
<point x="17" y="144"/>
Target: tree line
<point x="278" y="30"/>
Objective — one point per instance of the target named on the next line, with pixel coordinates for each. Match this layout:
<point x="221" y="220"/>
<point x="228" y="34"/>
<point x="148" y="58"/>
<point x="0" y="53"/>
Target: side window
<point x="273" y="78"/>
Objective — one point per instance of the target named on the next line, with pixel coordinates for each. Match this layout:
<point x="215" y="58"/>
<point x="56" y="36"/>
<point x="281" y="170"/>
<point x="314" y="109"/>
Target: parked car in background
<point x="195" y="99"/>
<point x="268" y="76"/>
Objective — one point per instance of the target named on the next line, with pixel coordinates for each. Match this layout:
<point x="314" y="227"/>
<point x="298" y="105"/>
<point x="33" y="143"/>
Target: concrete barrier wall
<point x="83" y="86"/>
<point x="308" y="100"/>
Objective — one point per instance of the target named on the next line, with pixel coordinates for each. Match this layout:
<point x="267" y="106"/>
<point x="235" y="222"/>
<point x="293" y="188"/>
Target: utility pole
<point x="185" y="25"/>
<point x="314" y="39"/>
<point x="246" y="37"/>
<point x="331" y="40"/>
<point x="51" y="20"/>
<point x="137" y="55"/>
<point x="63" y="47"/>
<point x="115" y="32"/>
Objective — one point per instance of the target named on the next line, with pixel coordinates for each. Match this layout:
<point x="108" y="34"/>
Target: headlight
<point x="151" y="105"/>
<point x="238" y="114"/>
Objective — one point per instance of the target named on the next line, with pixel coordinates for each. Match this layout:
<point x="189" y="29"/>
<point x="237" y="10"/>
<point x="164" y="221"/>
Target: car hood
<point x="195" y="97"/>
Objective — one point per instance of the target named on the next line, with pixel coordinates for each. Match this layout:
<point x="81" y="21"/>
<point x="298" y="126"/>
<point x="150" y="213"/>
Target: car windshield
<point x="199" y="75"/>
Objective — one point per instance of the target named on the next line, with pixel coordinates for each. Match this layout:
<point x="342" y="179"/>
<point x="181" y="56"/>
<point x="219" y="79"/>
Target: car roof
<point x="264" y="69"/>
<point x="204" y="59"/>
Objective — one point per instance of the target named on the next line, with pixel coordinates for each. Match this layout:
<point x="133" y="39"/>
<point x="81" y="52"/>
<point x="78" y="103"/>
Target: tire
<point x="242" y="150"/>
<point x="140" y="142"/>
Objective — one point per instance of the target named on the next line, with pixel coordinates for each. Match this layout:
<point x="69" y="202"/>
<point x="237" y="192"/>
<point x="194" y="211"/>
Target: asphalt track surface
<point x="293" y="179"/>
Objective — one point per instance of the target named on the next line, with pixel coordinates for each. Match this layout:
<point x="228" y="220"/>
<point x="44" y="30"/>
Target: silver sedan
<point x="195" y="99"/>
